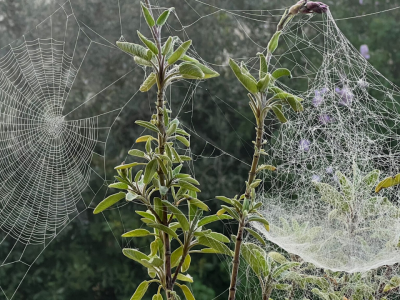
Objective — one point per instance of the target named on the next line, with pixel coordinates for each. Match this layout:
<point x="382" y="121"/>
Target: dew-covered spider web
<point x="53" y="140"/>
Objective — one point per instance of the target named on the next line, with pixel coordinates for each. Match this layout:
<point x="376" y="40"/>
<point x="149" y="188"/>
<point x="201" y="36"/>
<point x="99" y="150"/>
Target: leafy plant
<point x="173" y="211"/>
<point x="264" y="96"/>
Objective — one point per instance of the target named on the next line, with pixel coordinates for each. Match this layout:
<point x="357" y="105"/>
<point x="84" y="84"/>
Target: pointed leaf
<point x="140" y="291"/>
<point x="388" y="182"/>
<point x="277" y="109"/>
<point x="136" y="50"/>
<point x="273" y="43"/>
<point x="148" y="82"/>
<point x="127" y="166"/>
<point x="186" y="291"/>
<point x="109" y="201"/>
<point x="214" y="244"/>
<point x="214" y="218"/>
<point x="142" y="62"/>
<point x="190" y="71"/>
<point x="183" y="140"/>
<point x="164" y="17"/>
<point x="147" y="125"/>
<point x="164" y="229"/>
<point x="249" y="83"/>
<point x="186" y="277"/>
<point x="137" y="233"/>
<point x="150" y="171"/>
<point x="180" y="216"/>
<point x="256" y="235"/>
<point x="180" y="52"/>
<point x="168" y="46"/>
<point x="263" y="66"/>
<point x="119" y="185"/>
<point x="263" y="84"/>
<point x="147" y="15"/>
<point x="153" y="48"/>
<point x="278" y="73"/>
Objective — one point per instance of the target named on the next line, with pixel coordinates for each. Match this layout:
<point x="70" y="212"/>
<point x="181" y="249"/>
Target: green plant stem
<point x="242" y="223"/>
<point x="236" y="260"/>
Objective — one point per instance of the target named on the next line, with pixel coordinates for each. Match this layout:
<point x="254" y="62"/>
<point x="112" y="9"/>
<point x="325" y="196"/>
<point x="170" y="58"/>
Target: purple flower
<point x="314" y="7"/>
<point x="329" y="170"/>
<point x="308" y="7"/>
<point x="345" y="94"/>
<point x="364" y="50"/>
<point x="319" y="97"/>
<point x="316" y="178"/>
<point x="304" y="145"/>
<point x="324" y="119"/>
<point x="361" y="2"/>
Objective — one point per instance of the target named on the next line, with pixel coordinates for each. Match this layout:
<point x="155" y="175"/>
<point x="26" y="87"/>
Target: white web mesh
<point x="350" y="116"/>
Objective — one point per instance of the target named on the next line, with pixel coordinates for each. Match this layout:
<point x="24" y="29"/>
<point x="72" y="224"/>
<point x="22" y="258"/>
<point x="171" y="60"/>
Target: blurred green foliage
<point x="85" y="261"/>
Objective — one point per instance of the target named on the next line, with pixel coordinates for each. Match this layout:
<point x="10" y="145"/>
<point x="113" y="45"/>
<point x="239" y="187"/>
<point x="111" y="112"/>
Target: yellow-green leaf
<point x="263" y="83"/>
<point x="388" y="182"/>
<point x="186" y="277"/>
<point x="127" y="166"/>
<point x="119" y="185"/>
<point x="163" y="17"/>
<point x="190" y="71"/>
<point x="263" y="66"/>
<point x="140" y="291"/>
<point x="137" y="233"/>
<point x="249" y="83"/>
<point x="273" y="43"/>
<point x="278" y="73"/>
<point x="147" y="15"/>
<point x="256" y="235"/>
<point x="186" y="263"/>
<point x="148" y="82"/>
<point x="179" y="53"/>
<point x="150" y="171"/>
<point x="136" y="50"/>
<point x="186" y="291"/>
<point x="153" y="48"/>
<point x="266" y="167"/>
<point x="144" y="138"/>
<point x="277" y="109"/>
<point x="109" y="201"/>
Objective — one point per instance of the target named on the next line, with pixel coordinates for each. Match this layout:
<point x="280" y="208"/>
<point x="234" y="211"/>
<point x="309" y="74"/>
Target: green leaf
<point x="188" y="186"/>
<point x="263" y="66"/>
<point x="371" y="178"/>
<point x="249" y="83"/>
<point x="127" y="166"/>
<point x="214" y="244"/>
<point x="109" y="201"/>
<point x="260" y="220"/>
<point x="208" y="73"/>
<point x="255" y="258"/>
<point x="137" y="153"/>
<point x="388" y="182"/>
<point x="176" y="256"/>
<point x="292" y="100"/>
<point x="282" y="268"/>
<point x="148" y="82"/>
<point x="168" y="46"/>
<point x="147" y="125"/>
<point x="273" y="43"/>
<point x="186" y="291"/>
<point x="266" y="167"/>
<point x="147" y="15"/>
<point x="190" y="71"/>
<point x="135" y="254"/>
<point x="150" y="171"/>
<point x="256" y="235"/>
<point x="119" y="185"/>
<point x="198" y="203"/>
<point x="263" y="83"/>
<point x="142" y="62"/>
<point x="164" y="229"/>
<point x="186" y="263"/>
<point x="277" y="109"/>
<point x="179" y="53"/>
<point x="137" y="233"/>
<point x="186" y="278"/>
<point x="279" y="258"/>
<point x="278" y="73"/>
<point x="393" y="283"/>
<point x="130" y="196"/>
<point x="178" y="214"/>
<point x="136" y="50"/>
<point x="153" y="48"/>
<point x="163" y="17"/>
<point x="140" y="291"/>
<point x="183" y="140"/>
<point x="219" y="237"/>
<point x="157" y="297"/>
<point x="225" y="199"/>
<point x="346" y="186"/>
<point x="214" y="218"/>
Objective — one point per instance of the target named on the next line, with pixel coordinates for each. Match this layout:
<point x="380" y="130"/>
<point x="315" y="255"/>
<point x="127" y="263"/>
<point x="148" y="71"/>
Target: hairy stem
<point x="256" y="155"/>
<point x="236" y="260"/>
